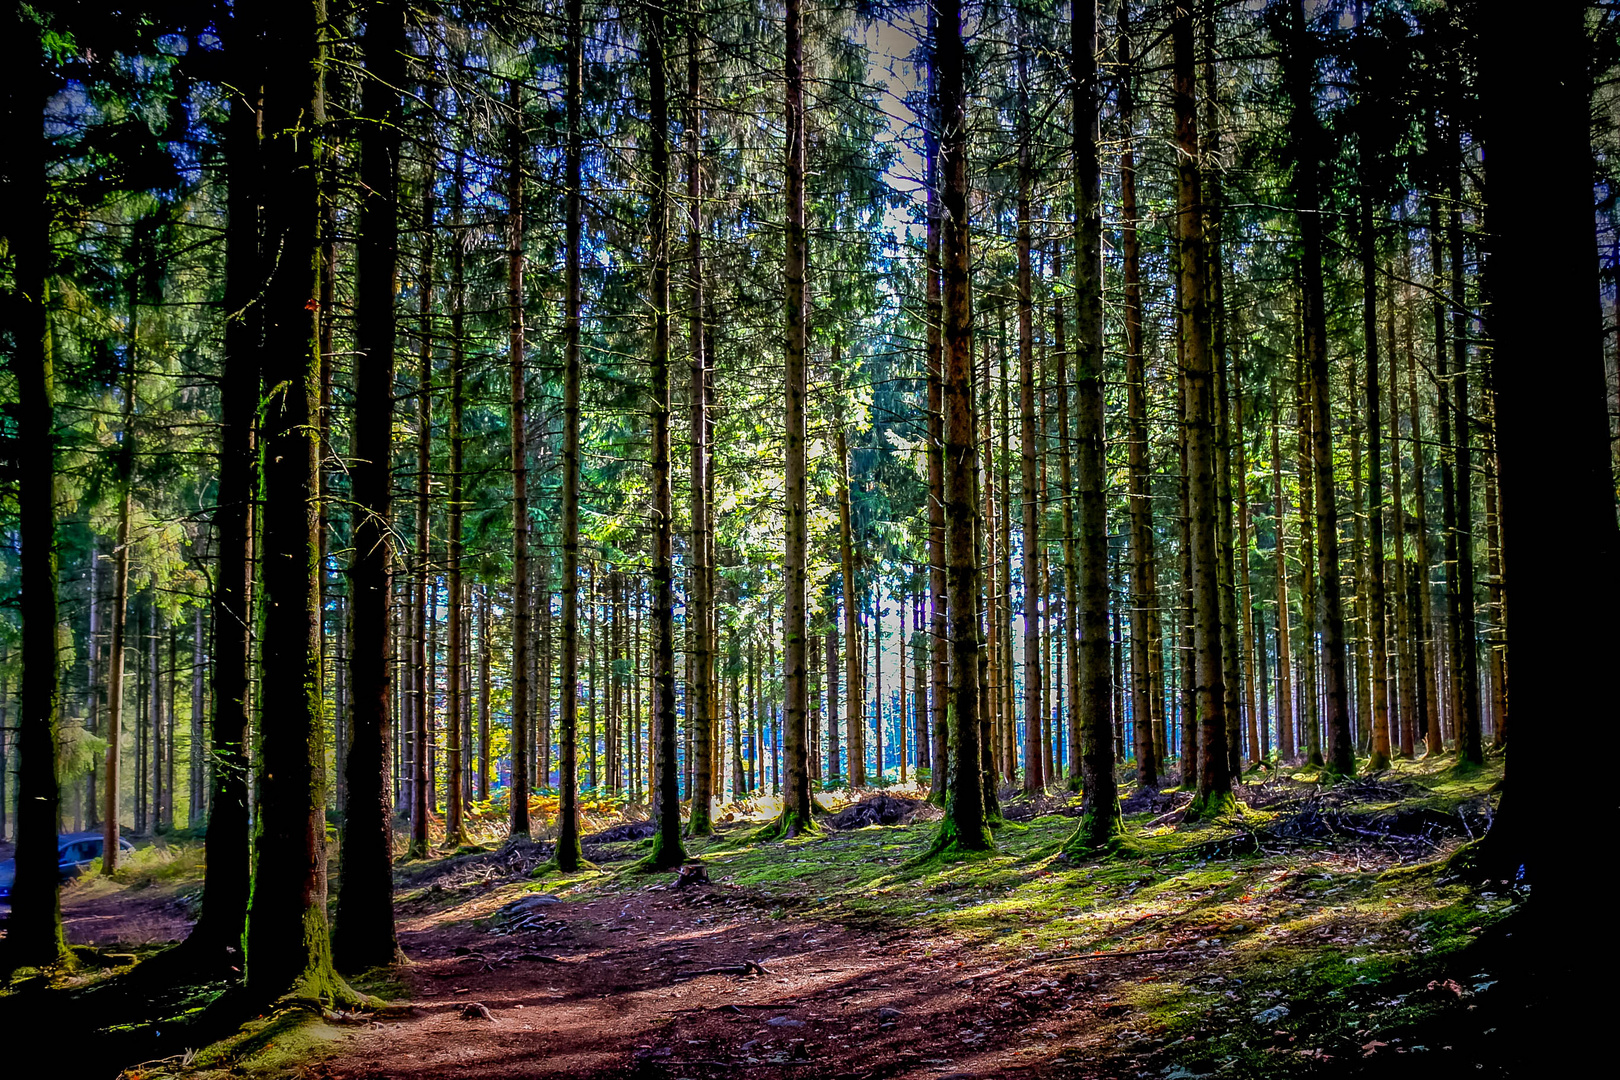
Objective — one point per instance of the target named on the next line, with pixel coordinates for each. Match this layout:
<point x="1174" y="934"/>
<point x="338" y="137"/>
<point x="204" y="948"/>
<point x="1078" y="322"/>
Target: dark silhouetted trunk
<point x="289" y="949"/>
<point x="34" y="935"/>
<point x="365" y="917"/>
<point x="567" y="854"/>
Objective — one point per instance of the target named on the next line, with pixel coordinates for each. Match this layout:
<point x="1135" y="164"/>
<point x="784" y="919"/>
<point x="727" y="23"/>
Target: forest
<point x="765" y="538"/>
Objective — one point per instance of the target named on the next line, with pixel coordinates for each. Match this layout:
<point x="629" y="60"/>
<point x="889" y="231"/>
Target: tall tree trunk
<point x="422" y="664"/>
<point x="833" y="770"/>
<point x="1377" y="628"/>
<point x="289" y="948"/>
<point x="365" y="917"/>
<point x="667" y="850"/>
<point x="484" y="660"/>
<point x="567" y="854"/>
<point x="1214" y="777"/>
<point x="1141" y="506"/>
<point x="35" y="927"/>
<point x="1424" y="655"/>
<point x="120" y="605"/>
<point x="964" y="825"/>
<point x="1309" y="711"/>
<point x="197" y="803"/>
<point x="455" y="698"/>
<point x="795" y="816"/>
<point x="702" y="598"/>
<point x="938" y="604"/>
<point x="855" y="711"/>
<point x="217" y="939"/>
<point x="1099" y="813"/>
<point x="1034" y="748"/>
<point x="1209" y="142"/>
<point x="516" y="356"/>
<point x="1300" y="72"/>
<point x="1470" y="744"/>
<point x="1404" y="723"/>
<point x="1245" y="586"/>
<point x="1540" y="216"/>
<point x="1279" y="523"/>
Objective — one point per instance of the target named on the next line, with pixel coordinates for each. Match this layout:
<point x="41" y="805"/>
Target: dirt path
<point x="609" y="987"/>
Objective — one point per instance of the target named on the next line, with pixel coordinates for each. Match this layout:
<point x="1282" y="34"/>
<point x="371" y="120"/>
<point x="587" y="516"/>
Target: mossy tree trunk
<point x="289" y="948"/>
<point x="34" y="934"/>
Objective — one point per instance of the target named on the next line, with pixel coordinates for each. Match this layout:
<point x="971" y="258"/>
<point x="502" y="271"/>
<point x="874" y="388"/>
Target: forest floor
<point x="1316" y="931"/>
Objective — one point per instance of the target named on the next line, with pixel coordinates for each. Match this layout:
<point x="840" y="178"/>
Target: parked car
<point x="74" y="854"/>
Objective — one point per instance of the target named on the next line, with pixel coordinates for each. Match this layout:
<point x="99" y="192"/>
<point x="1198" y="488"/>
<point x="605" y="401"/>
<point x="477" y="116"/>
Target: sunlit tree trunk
<point x="1279" y="523"/>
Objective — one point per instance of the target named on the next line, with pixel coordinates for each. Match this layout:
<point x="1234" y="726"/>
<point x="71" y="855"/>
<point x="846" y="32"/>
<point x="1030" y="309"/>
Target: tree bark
<point x="938" y="603"/>
<point x="964" y="825"/>
<point x="365" y="916"/>
<point x="1279" y="521"/>
<point x="567" y="854"/>
<point x="1300" y="71"/>
<point x="702" y="599"/>
<point x="35" y="933"/>
<point x="455" y="697"/>
<point x="217" y="939"/>
<point x="1099" y="807"/>
<point x="289" y="948"/>
<point x="516" y="350"/>
<point x="1214" y="778"/>
<point x="1377" y="628"/>
<point x="667" y="850"/>
<point x="1034" y="751"/>
<point x="1141" y="506"/>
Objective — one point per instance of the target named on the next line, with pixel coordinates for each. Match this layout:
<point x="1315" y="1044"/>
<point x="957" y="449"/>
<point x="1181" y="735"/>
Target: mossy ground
<point x="1275" y="961"/>
<point x="1235" y="946"/>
